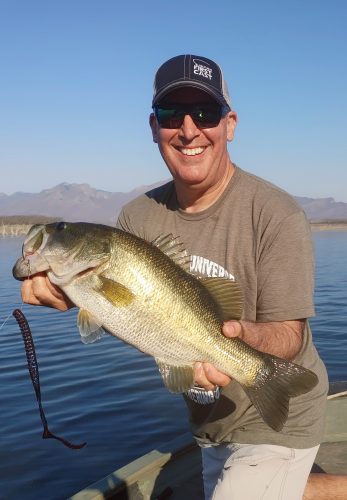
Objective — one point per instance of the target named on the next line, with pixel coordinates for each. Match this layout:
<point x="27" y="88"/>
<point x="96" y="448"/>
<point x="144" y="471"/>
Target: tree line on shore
<point x="17" y="225"/>
<point x="8" y="220"/>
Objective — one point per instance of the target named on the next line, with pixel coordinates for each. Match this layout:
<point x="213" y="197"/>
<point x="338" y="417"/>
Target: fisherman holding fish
<point x="240" y="232"/>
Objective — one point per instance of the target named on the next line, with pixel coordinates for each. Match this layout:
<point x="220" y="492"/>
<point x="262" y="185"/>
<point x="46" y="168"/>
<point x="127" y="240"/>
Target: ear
<point x="231" y="125"/>
<point x="154" y="126"/>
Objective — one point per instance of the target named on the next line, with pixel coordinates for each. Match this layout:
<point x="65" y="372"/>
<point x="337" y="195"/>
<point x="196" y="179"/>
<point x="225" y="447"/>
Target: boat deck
<point x="332" y="454"/>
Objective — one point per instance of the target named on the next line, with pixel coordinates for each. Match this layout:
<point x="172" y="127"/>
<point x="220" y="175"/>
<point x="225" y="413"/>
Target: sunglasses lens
<point x="204" y="115"/>
<point x="207" y="116"/>
<point x="169" y="117"/>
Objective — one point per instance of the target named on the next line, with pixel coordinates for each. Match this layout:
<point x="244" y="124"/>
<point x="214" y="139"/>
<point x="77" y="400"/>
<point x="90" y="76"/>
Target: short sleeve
<point x="130" y="222"/>
<point x="122" y="222"/>
<point x="285" y="271"/>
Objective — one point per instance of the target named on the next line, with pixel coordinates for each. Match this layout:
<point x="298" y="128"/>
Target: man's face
<point x="194" y="156"/>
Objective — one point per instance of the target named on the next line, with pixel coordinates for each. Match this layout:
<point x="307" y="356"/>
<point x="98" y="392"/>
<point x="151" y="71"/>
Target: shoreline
<point x="328" y="226"/>
<point x="15" y="230"/>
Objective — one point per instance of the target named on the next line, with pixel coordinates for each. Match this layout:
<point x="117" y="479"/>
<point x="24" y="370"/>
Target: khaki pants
<point x="256" y="472"/>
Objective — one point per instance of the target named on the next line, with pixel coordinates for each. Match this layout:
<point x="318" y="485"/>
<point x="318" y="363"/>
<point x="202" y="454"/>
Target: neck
<point x="196" y="198"/>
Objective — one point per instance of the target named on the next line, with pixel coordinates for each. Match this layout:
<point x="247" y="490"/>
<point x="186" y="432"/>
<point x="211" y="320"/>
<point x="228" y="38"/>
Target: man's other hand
<point x="38" y="290"/>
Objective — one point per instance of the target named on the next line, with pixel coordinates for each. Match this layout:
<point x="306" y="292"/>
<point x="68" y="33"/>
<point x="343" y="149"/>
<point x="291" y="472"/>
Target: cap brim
<point x="177" y="85"/>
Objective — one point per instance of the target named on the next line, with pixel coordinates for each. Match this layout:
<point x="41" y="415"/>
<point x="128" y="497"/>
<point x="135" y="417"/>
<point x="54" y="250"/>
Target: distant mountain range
<point x="81" y="202"/>
<point x="323" y="208"/>
<point x="71" y="202"/>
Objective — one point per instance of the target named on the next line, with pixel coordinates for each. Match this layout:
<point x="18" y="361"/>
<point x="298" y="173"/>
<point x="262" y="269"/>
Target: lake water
<point x="107" y="393"/>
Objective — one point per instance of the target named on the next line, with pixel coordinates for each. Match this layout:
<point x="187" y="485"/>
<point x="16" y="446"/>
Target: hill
<point x="72" y="202"/>
<point x="323" y="208"/>
<point x="81" y="202"/>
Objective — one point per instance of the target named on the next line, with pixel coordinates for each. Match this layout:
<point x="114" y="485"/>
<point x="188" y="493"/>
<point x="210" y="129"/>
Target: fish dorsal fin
<point x="173" y="248"/>
<point x="116" y="293"/>
<point x="176" y="378"/>
<point x="90" y="328"/>
<point x="227" y="294"/>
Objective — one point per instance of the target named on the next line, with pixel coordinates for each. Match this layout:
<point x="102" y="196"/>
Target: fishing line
<point x="5" y="321"/>
<point x="23" y="301"/>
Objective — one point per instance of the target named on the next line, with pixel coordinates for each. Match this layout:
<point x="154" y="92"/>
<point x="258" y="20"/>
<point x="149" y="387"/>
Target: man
<point x="236" y="225"/>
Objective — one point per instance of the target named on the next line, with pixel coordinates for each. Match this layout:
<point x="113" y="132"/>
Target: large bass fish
<point x="144" y="294"/>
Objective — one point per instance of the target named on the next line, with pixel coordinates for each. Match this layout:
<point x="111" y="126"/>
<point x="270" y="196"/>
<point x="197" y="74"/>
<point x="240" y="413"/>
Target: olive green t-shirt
<point x="256" y="234"/>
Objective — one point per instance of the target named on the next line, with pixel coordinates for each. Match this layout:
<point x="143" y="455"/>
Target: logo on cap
<point x="201" y="70"/>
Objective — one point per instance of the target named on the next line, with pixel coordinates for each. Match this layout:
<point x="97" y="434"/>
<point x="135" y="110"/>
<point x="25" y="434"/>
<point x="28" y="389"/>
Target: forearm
<point x="281" y="338"/>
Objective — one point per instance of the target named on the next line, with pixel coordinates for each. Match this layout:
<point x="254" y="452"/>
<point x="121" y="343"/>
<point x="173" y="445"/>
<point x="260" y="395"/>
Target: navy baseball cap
<point x="191" y="71"/>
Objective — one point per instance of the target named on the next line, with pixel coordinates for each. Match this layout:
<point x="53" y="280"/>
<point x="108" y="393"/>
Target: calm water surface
<point x="107" y="393"/>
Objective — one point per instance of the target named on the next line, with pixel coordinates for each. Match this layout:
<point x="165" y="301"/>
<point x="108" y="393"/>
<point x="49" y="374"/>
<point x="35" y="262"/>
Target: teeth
<point x="192" y="151"/>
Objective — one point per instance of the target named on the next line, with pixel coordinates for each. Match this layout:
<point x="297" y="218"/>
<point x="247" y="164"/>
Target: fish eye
<point x="60" y="226"/>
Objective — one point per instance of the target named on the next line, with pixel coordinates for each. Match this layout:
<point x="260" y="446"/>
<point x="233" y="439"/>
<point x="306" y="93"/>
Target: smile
<point x="192" y="151"/>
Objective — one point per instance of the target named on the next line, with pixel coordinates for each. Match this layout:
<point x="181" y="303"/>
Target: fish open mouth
<point x="60" y="267"/>
<point x="32" y="261"/>
<point x="35" y="241"/>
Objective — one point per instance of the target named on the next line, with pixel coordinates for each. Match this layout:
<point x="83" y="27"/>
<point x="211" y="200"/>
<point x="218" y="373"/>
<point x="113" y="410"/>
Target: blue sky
<point x="76" y="85"/>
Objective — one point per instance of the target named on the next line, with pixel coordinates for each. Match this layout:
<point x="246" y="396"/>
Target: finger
<point x="38" y="290"/>
<point x="200" y="377"/>
<point x="54" y="289"/>
<point x="207" y="376"/>
<point x="27" y="293"/>
<point x="215" y="376"/>
<point x="35" y="291"/>
<point x="62" y="299"/>
<point x="232" y="329"/>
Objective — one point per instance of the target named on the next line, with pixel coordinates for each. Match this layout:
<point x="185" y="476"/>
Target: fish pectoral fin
<point x="272" y="393"/>
<point x="176" y="378"/>
<point x="90" y="328"/>
<point x="173" y="248"/>
<point x="116" y="293"/>
<point x="228" y="296"/>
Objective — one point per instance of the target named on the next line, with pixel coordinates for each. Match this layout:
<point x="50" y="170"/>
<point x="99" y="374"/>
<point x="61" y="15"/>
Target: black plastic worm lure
<point x="34" y="374"/>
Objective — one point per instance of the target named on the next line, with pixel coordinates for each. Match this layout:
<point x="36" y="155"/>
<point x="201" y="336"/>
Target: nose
<point x="188" y="129"/>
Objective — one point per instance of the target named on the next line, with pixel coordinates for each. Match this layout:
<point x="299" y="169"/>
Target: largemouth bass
<point x="144" y="294"/>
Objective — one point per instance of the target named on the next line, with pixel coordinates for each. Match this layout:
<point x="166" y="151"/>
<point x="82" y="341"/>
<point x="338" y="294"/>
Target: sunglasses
<point x="206" y="115"/>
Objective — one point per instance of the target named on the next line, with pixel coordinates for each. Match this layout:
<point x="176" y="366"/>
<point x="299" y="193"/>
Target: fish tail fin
<point x="272" y="391"/>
